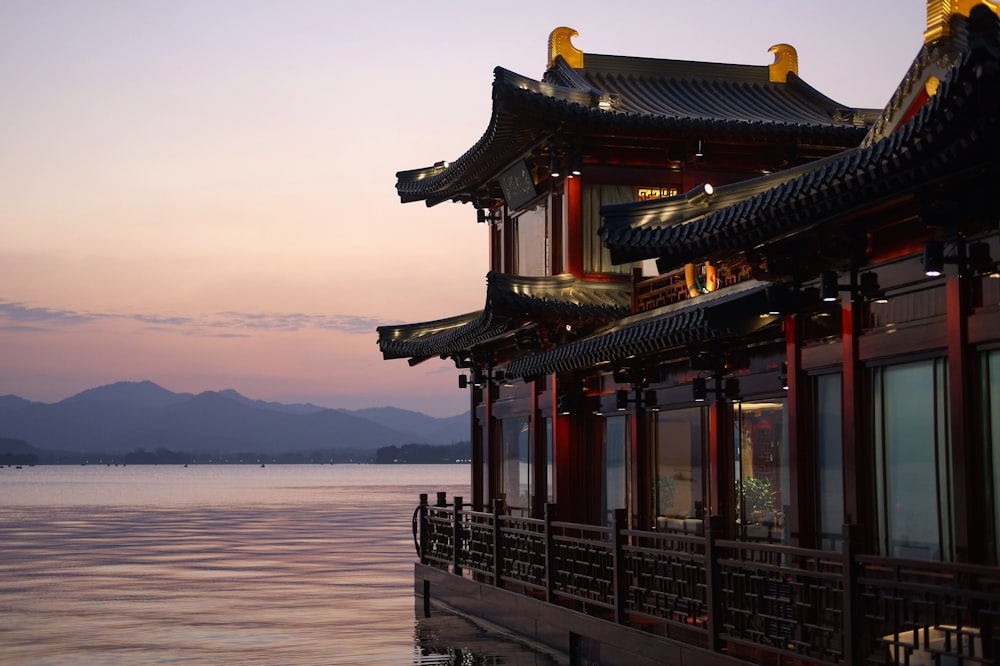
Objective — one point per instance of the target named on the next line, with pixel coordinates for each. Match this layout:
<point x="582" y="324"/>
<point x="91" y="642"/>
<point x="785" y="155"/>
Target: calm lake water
<point x="227" y="564"/>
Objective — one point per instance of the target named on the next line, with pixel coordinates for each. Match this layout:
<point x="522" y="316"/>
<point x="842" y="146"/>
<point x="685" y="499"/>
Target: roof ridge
<point x="672" y="68"/>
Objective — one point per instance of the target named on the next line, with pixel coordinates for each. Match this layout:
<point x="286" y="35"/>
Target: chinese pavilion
<point x="735" y="386"/>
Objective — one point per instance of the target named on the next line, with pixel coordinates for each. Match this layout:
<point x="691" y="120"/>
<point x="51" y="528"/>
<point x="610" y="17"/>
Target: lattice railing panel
<point x="583" y="557"/>
<point x="930" y="612"/>
<point x="786" y="599"/>
<point x="440" y="542"/>
<point x="666" y="578"/>
<point x="523" y="550"/>
<point x="477" y="552"/>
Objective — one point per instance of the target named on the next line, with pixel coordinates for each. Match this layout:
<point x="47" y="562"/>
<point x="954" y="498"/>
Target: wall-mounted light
<point x="575" y="166"/>
<point x="643" y="399"/>
<point x="728" y="389"/>
<point x="480" y="379"/>
<point x="867" y="287"/>
<point x="778" y="300"/>
<point x="568" y="402"/>
<point x="699" y="151"/>
<point x="484" y="216"/>
<point x="973" y="258"/>
<point x="700" y="194"/>
<point x="870" y="289"/>
<point x="981" y="262"/>
<point x="828" y="287"/>
<point x="699" y="388"/>
<point x="555" y="167"/>
<point x="933" y="258"/>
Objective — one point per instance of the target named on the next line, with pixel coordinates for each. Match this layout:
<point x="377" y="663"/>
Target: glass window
<point x="614" y="491"/>
<point x="679" y="489"/>
<point x="991" y="430"/>
<point x="532" y="242"/>
<point x="517" y="464"/>
<point x="911" y="438"/>
<point x="763" y="476"/>
<point x="829" y="459"/>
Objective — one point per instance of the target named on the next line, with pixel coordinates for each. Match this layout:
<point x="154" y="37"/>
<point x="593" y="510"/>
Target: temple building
<point x="735" y="382"/>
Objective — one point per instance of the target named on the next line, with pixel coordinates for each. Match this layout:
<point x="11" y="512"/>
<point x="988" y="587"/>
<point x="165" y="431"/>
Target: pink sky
<point x="201" y="193"/>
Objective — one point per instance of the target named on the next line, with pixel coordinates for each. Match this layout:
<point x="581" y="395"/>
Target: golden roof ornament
<point x="786" y="60"/>
<point x="560" y="44"/>
<point x="939" y="13"/>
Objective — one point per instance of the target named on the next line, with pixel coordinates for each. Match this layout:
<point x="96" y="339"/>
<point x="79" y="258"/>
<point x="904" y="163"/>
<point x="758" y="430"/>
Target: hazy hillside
<point x="433" y="430"/>
<point x="128" y="415"/>
<point x="138" y="394"/>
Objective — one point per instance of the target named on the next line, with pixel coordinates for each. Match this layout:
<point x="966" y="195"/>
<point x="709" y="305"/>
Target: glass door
<point x="763" y="476"/>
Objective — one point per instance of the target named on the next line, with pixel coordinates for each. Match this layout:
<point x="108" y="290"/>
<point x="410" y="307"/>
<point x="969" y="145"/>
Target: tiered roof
<point x="717" y="316"/>
<point x="511" y="303"/>
<point x="914" y="146"/>
<point x="953" y="136"/>
<point x="619" y="97"/>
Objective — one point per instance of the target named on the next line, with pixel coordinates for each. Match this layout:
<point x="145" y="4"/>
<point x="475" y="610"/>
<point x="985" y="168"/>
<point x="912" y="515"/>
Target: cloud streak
<point x="20" y="317"/>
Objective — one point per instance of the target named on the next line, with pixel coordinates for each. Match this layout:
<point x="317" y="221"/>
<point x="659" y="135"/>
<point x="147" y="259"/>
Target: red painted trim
<point x="918" y="103"/>
<point x="573" y="205"/>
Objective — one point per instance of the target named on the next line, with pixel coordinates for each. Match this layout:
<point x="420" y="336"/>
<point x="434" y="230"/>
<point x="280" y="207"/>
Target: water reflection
<point x="288" y="565"/>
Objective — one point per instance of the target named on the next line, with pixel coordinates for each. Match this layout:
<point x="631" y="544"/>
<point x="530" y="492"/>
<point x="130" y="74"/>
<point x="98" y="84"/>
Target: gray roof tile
<point x="723" y="313"/>
<point x="511" y="302"/>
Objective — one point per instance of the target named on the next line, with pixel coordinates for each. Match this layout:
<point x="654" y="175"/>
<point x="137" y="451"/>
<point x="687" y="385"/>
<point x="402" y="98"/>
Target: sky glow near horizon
<point x="201" y="194"/>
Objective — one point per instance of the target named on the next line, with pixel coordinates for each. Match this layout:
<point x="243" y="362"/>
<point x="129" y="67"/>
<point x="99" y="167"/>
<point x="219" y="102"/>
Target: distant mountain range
<point x="126" y="416"/>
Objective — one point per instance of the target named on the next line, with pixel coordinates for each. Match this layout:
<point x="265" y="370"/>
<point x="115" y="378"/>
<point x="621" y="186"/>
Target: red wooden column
<point x="568" y="476"/>
<point x="722" y="458"/>
<point x="858" y="503"/>
<point x="969" y="497"/>
<point x="538" y="457"/>
<point x="573" y="201"/>
<point x="476" y="435"/>
<point x="642" y="468"/>
<point x="801" y="448"/>
<point x="493" y="443"/>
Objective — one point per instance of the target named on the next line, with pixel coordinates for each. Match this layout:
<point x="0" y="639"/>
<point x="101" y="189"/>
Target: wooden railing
<point x="649" y="293"/>
<point x="941" y="613"/>
<point x="742" y="598"/>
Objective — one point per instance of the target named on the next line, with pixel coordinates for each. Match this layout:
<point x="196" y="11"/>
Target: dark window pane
<point x="911" y="428"/>
<point x="829" y="459"/>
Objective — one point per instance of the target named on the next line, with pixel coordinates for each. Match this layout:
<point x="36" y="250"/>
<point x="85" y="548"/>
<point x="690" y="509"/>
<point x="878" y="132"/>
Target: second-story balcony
<point x="649" y="293"/>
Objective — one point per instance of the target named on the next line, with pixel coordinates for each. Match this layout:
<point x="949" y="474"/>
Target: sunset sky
<point x="201" y="193"/>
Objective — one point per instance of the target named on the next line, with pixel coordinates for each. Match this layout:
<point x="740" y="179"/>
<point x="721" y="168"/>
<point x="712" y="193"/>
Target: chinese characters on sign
<point x="646" y="193"/>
